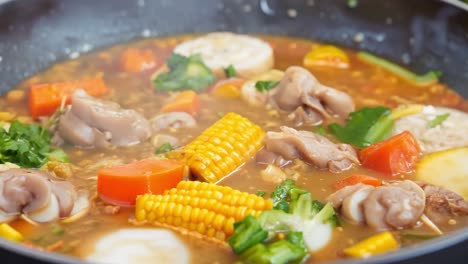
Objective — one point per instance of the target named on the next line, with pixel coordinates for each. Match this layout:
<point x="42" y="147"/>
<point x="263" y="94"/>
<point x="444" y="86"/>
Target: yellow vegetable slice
<point x="8" y="232"/>
<point x="377" y="244"/>
<point x="406" y="110"/>
<point x="448" y="168"/>
<point x="327" y="55"/>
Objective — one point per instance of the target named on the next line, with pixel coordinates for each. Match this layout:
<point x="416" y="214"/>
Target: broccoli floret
<point x="279" y="252"/>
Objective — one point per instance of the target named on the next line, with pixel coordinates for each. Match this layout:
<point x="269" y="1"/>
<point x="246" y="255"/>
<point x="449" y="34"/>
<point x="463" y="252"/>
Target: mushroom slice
<point x="352" y="205"/>
<point x="50" y="213"/>
<point x="80" y="208"/>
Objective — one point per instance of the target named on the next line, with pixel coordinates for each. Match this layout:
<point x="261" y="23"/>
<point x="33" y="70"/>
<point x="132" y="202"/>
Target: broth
<point x="367" y="84"/>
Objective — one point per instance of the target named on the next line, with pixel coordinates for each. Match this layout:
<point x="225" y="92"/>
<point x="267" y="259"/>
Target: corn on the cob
<point x="373" y="245"/>
<point x="206" y="208"/>
<point x="222" y="148"/>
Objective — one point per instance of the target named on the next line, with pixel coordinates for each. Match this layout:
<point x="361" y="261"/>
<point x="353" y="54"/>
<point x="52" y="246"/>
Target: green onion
<point x="260" y="193"/>
<point x="264" y="86"/>
<point x="429" y="78"/>
<point x="57" y="230"/>
<point x="352" y="3"/>
<point x="230" y="71"/>
<point x="166" y="147"/>
<point x="320" y="130"/>
<point x="438" y="120"/>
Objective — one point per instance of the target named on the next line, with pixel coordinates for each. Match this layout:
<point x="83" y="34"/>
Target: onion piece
<point x="80" y="209"/>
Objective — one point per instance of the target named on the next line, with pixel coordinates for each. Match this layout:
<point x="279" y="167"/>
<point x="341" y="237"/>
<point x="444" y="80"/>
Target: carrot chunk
<point x="136" y="60"/>
<point x="45" y="98"/>
<point x="355" y="179"/>
<point x="186" y="101"/>
<point x="230" y="88"/>
<point x="393" y="156"/>
<point x="121" y="184"/>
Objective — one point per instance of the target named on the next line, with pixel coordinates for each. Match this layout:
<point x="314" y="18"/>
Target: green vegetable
<point x="186" y="73"/>
<point x="57" y="230"/>
<point x="365" y="126"/>
<point x="418" y="236"/>
<point x="260" y="193"/>
<point x="164" y="148"/>
<point x="421" y="80"/>
<point x="230" y="71"/>
<point x="320" y="130"/>
<point x="264" y="86"/>
<point x="438" y="120"/>
<point x="281" y="193"/>
<point x="27" y="145"/>
<point x="352" y="3"/>
<point x="279" y="252"/>
<point x="58" y="155"/>
<point x="247" y="233"/>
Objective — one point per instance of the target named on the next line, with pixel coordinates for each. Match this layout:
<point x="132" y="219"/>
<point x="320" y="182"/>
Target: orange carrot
<point x="136" y="60"/>
<point x="45" y="98"/>
<point x="355" y="179"/>
<point x="121" y="184"/>
<point x="186" y="101"/>
<point x="229" y="88"/>
<point x="392" y="156"/>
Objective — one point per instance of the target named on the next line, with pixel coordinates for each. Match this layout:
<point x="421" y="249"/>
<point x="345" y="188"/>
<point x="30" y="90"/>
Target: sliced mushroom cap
<point x="337" y="198"/>
<point x="50" y="213"/>
<point x="393" y="206"/>
<point x="172" y="120"/>
<point x="352" y="205"/>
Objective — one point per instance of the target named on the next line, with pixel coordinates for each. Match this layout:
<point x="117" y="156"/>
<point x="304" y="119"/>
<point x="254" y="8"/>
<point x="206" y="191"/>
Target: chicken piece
<point x="312" y="148"/>
<point x="91" y="123"/>
<point x="394" y="206"/>
<point x="172" y="120"/>
<point x="266" y="157"/>
<point x="162" y="139"/>
<point x="36" y="195"/>
<point x="299" y="88"/>
<point x="442" y="204"/>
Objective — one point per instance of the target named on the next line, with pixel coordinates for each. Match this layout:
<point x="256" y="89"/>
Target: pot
<point x="424" y="35"/>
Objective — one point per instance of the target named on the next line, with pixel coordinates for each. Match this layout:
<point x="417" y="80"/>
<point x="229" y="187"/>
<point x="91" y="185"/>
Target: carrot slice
<point x="393" y="156"/>
<point x="136" y="60"/>
<point x="121" y="184"/>
<point x="45" y="98"/>
<point x="355" y="179"/>
<point x="186" y="101"/>
<point x="229" y="88"/>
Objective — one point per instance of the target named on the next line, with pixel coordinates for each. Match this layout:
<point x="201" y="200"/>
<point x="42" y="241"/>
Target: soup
<point x="310" y="131"/>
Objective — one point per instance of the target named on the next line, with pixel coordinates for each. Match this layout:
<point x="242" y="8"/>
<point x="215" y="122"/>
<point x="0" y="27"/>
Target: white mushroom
<point x="352" y="205"/>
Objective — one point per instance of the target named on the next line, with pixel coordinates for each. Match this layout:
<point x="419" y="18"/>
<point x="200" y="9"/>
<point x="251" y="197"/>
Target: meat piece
<point x="91" y="122"/>
<point x="300" y="89"/>
<point x="394" y="206"/>
<point x="264" y="156"/>
<point x="312" y="148"/>
<point x="35" y="194"/>
<point x="162" y="139"/>
<point x="251" y="95"/>
<point x="172" y="120"/>
<point x="352" y="205"/>
<point x="111" y="209"/>
<point x="337" y="198"/>
<point x="66" y="196"/>
<point x="23" y="190"/>
<point x="442" y="204"/>
<point x="303" y="116"/>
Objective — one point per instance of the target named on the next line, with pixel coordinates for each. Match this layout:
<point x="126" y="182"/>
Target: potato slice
<point x="448" y="168"/>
